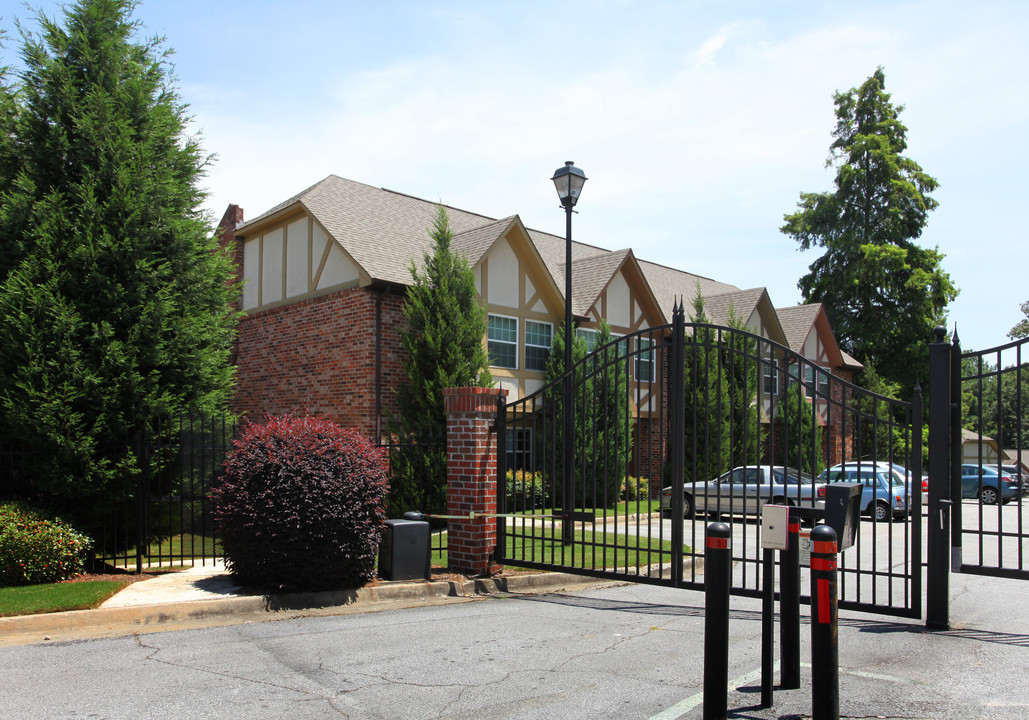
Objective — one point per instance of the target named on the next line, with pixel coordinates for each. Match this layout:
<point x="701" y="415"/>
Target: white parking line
<point x="684" y="706"/>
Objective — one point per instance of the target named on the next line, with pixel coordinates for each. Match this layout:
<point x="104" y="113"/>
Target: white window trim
<point x="529" y="345"/>
<point x="773" y="376"/>
<point x="645" y="349"/>
<point x="505" y="342"/>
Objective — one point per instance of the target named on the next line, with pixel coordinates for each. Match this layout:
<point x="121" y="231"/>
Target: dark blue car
<point x="987" y="484"/>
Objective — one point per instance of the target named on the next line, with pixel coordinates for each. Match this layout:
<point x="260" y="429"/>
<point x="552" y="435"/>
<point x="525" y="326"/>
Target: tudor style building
<point x="326" y="271"/>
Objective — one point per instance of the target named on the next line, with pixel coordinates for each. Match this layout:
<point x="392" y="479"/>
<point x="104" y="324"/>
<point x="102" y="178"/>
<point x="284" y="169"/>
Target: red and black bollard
<point x="825" y="659"/>
<point x="717" y="575"/>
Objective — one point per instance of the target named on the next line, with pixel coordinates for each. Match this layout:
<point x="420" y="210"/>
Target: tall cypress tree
<point x="442" y="348"/>
<point x="114" y="302"/>
<point x="709" y="406"/>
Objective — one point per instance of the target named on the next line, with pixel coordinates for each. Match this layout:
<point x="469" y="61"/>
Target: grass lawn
<point x="56" y="597"/>
<point x="590" y="549"/>
<point x="173" y="551"/>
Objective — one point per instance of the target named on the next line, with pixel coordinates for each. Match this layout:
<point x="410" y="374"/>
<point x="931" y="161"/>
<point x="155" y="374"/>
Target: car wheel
<point x="882" y="511"/>
<point x="687" y="506"/>
<point x="989" y="496"/>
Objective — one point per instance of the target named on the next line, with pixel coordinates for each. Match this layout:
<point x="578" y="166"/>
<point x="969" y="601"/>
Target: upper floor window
<point x="502" y="341"/>
<point x="644" y="359"/>
<point x="538" y="338"/>
<point x="589" y="336"/>
<point x="813" y="375"/>
<point x="771" y="376"/>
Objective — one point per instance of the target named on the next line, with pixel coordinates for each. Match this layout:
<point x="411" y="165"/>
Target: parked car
<point x="985" y="483"/>
<point x="884" y="494"/>
<point x="744" y="490"/>
<point x="1016" y="474"/>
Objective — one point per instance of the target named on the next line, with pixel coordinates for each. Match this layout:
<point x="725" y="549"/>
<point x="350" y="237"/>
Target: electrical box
<point x="405" y="551"/>
<point x="775" y="521"/>
<point x="843" y="512"/>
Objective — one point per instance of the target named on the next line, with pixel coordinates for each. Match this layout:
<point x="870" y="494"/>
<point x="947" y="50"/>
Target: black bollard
<point x="789" y="609"/>
<point x="825" y="659"/>
<point x="717" y="569"/>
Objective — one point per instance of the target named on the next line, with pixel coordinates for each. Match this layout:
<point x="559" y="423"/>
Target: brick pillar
<point x="472" y="477"/>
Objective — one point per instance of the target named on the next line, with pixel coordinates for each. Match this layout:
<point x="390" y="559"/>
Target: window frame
<point x="546" y="348"/>
<point x="644" y="358"/>
<point x="490" y="340"/>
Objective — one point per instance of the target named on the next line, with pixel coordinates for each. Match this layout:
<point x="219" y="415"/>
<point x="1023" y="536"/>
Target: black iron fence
<point x="675" y="425"/>
<point x="988" y="483"/>
<point x="159" y="513"/>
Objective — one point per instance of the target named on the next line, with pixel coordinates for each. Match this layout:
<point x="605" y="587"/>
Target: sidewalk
<point x="207" y="596"/>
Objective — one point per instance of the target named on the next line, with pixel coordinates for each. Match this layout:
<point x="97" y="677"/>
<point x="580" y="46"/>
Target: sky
<point x="698" y="124"/>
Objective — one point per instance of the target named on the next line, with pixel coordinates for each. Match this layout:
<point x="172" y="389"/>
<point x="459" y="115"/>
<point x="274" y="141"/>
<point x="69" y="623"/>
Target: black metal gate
<point x="988" y="484"/>
<point x="677" y="424"/>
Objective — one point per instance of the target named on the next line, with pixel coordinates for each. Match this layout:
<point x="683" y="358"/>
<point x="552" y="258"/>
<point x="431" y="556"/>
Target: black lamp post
<point x="569" y="181"/>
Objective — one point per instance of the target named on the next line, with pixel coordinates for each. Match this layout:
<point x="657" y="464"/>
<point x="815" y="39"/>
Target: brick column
<point x="472" y="477"/>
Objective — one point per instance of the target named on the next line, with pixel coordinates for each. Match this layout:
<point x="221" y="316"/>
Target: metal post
<point x="676" y="431"/>
<point x="717" y="568"/>
<point x="825" y="658"/>
<point x="937" y="614"/>
<point x="767" y="626"/>
<point x="567" y="525"/>
<point x="789" y="609"/>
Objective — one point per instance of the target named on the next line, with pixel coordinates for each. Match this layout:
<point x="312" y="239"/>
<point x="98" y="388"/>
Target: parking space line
<point x="684" y="706"/>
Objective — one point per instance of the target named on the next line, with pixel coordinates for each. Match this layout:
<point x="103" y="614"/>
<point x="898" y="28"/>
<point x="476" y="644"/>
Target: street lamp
<point x="569" y="181"/>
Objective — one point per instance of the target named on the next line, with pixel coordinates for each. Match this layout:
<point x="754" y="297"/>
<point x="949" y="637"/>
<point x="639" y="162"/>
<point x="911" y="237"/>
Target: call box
<point x="843" y="512"/>
<point x="775" y="521"/>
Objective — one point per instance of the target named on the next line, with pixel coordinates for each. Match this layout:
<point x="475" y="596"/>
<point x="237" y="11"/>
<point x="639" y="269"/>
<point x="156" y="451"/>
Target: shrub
<point x="634" y="488"/>
<point x="301" y="505"/>
<point x="35" y="549"/>
<point x="525" y="491"/>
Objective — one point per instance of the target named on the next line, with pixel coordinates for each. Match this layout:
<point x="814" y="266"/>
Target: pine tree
<point x="744" y="375"/>
<point x="114" y="303"/>
<point x="707" y="444"/>
<point x="883" y="293"/>
<point x="443" y="348"/>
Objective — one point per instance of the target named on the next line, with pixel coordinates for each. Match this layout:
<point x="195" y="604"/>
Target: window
<point x="812" y="375"/>
<point x="644" y="359"/>
<point x="538" y="338"/>
<point x="771" y="374"/>
<point x="502" y="341"/>
<point x="590" y="336"/>
<point x="518" y="450"/>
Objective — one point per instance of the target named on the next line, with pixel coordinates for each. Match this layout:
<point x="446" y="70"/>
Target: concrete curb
<point x="129" y="620"/>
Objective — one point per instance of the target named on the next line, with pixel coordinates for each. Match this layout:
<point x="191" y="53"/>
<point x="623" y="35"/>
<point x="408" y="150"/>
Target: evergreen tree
<point x="802" y="435"/>
<point x="603" y="418"/>
<point x="1021" y="328"/>
<point x="744" y="375"/>
<point x="552" y="430"/>
<point x="882" y="292"/>
<point x="114" y="302"/>
<point x="443" y="348"/>
<point x="709" y="406"/>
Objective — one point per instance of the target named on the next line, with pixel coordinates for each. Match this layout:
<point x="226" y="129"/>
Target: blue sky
<point x="697" y="123"/>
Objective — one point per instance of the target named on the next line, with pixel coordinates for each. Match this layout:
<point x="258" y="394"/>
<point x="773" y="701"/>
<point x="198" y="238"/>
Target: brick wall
<point x="319" y="355"/>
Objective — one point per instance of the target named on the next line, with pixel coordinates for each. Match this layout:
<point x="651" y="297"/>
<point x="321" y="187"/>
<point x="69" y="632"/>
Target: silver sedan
<point x="744" y="490"/>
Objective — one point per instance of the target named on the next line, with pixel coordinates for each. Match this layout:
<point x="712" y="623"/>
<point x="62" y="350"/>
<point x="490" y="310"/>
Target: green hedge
<point x="35" y="549"/>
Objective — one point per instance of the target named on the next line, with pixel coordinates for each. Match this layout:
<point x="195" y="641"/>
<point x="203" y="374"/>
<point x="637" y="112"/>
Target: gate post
<point x="937" y="614"/>
<point x="472" y="477"/>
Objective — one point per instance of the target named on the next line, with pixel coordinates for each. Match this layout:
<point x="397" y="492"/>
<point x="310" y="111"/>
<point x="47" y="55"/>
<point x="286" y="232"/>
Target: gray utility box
<point x="404" y="552"/>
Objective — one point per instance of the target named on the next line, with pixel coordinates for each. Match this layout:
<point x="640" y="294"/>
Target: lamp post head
<point x="569" y="181"/>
